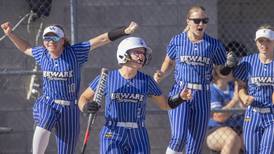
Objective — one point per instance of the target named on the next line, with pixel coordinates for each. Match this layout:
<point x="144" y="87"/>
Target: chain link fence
<point x="236" y="22"/>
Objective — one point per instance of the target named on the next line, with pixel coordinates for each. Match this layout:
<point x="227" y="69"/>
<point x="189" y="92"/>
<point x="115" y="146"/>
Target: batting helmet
<point x="132" y="43"/>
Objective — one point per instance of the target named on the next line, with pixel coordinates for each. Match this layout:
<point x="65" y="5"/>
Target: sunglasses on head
<point x="199" y="20"/>
<point x="51" y="38"/>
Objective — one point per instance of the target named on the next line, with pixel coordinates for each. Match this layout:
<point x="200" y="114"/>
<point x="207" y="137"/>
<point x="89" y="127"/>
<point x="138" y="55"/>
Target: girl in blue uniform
<point x="225" y="129"/>
<point x="126" y="95"/>
<point x="256" y="81"/>
<point x="193" y="53"/>
<point x="61" y="64"/>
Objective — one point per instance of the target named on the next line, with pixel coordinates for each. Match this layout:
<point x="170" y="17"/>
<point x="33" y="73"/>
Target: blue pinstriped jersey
<point x="61" y="76"/>
<point x="125" y="99"/>
<point x="194" y="61"/>
<point x="259" y="78"/>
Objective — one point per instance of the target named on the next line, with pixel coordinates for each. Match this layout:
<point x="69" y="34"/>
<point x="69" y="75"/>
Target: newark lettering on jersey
<point x="262" y="81"/>
<point x="127" y="97"/>
<point x="57" y="75"/>
<point x="195" y="60"/>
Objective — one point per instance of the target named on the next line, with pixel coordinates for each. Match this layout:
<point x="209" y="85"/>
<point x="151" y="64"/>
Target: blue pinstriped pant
<point x="189" y="122"/>
<point x="119" y="140"/>
<point x="65" y="120"/>
<point x="258" y="132"/>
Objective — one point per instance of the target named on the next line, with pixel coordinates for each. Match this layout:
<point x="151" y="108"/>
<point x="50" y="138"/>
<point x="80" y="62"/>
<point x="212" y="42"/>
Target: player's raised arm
<point x="166" y="68"/>
<point x="21" y="44"/>
<point x="113" y="35"/>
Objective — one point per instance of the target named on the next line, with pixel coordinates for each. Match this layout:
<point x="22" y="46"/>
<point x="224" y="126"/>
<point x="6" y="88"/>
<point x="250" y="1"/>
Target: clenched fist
<point x="131" y="28"/>
<point x="158" y="76"/>
<point x="186" y="94"/>
<point x="7" y="28"/>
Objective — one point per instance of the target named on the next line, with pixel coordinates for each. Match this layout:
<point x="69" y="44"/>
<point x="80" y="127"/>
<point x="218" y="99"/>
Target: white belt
<point x="62" y="102"/>
<point x="196" y="86"/>
<point x="127" y="124"/>
<point x="261" y="110"/>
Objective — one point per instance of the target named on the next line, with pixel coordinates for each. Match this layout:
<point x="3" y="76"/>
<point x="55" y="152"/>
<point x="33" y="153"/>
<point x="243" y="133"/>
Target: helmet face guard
<point x="132" y="43"/>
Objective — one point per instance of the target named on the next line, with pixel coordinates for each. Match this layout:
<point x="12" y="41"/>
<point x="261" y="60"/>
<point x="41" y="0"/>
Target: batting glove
<point x="91" y="107"/>
<point x="232" y="60"/>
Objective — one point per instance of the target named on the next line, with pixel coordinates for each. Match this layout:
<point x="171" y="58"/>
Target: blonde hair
<point x="194" y="8"/>
<point x="265" y="26"/>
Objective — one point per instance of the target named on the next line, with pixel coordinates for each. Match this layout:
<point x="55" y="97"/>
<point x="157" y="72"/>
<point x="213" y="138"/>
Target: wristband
<point x="175" y="101"/>
<point x="117" y="33"/>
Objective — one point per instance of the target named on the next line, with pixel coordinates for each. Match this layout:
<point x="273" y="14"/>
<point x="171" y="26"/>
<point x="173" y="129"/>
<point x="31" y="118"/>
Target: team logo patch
<point x="128" y="97"/>
<point x="108" y="135"/>
<point x="262" y="81"/>
<point x="195" y="60"/>
<point x="247" y="119"/>
<point x="57" y="75"/>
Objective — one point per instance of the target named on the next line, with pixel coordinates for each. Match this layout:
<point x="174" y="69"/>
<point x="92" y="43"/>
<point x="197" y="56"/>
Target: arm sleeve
<point x="241" y="71"/>
<point x="219" y="57"/>
<point x="216" y="100"/>
<point x="153" y="88"/>
<point x="37" y="53"/>
<point x="81" y="51"/>
<point x="93" y="84"/>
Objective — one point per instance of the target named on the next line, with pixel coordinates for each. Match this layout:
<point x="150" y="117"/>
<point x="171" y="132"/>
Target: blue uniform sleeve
<point x="241" y="71"/>
<point x="153" y="88"/>
<point x="81" y="51"/>
<point x="37" y="53"/>
<point x="93" y="84"/>
<point x="219" y="57"/>
<point x="171" y="49"/>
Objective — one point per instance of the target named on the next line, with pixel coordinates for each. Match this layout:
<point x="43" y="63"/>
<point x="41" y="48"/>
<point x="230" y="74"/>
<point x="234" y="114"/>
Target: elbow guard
<point x="117" y="33"/>
<point x="175" y="101"/>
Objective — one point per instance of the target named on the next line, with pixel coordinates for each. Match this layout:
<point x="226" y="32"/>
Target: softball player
<point x="194" y="53"/>
<point x="256" y="81"/>
<point x="61" y="64"/>
<point x="126" y="95"/>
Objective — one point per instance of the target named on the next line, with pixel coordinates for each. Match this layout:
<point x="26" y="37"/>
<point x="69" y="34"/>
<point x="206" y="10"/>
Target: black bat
<point x="98" y="97"/>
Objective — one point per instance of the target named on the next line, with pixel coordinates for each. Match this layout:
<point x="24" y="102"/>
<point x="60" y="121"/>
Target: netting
<point x="239" y="20"/>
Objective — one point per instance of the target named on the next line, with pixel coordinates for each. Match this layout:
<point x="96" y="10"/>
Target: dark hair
<point x="66" y="41"/>
<point x="238" y="48"/>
